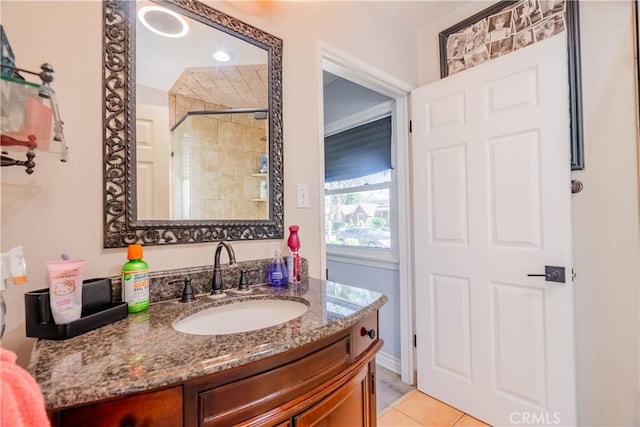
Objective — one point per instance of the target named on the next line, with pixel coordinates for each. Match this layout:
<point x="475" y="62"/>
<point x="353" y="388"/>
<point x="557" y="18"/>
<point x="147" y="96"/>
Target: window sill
<point x="363" y="256"/>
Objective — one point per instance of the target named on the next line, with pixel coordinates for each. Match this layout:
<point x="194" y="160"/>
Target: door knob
<point x="551" y="274"/>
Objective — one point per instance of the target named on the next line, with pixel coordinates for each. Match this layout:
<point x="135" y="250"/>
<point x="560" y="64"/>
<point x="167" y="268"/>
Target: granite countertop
<point x="143" y="351"/>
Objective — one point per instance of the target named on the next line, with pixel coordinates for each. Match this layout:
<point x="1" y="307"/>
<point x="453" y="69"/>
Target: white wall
<point x="606" y="223"/>
<point x="59" y="207"/>
<point x="381" y="280"/>
<point x="605" y="213"/>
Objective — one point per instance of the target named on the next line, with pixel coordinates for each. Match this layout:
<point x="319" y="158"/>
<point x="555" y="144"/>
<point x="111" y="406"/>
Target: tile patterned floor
<point x="419" y="410"/>
<point x="389" y="388"/>
<point x="400" y="405"/>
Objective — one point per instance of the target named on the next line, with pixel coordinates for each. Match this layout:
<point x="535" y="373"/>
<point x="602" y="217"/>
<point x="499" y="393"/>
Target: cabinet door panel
<point x="346" y="407"/>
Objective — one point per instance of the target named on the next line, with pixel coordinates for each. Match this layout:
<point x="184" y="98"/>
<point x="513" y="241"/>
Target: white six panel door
<point x="153" y="149"/>
<point x="491" y="197"/>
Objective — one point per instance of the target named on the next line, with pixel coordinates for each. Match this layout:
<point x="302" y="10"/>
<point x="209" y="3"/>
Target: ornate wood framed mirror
<point x="192" y="147"/>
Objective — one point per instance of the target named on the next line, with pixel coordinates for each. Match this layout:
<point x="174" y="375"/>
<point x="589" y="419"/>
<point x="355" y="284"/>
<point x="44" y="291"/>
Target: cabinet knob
<point x="371" y="333"/>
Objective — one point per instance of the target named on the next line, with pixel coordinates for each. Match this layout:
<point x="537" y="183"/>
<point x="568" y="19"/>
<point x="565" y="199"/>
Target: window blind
<point x="360" y="151"/>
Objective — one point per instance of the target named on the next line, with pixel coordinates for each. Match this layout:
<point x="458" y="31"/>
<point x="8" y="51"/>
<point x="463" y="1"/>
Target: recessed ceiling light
<point x="163" y="21"/>
<point x="221" y="55"/>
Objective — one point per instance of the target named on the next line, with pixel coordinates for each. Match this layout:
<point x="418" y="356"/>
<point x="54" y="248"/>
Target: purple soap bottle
<point x="278" y="271"/>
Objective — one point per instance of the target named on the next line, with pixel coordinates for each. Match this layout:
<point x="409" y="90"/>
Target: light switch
<point x="302" y="200"/>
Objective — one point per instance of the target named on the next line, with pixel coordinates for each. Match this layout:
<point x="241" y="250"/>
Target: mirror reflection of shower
<point x="195" y="80"/>
<point x="219" y="165"/>
<point x="180" y="184"/>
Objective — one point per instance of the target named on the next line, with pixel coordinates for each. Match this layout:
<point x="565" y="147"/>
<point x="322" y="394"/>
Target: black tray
<point x="97" y="310"/>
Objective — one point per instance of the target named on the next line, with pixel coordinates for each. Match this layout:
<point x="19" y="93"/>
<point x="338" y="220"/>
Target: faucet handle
<point x="243" y="285"/>
<point x="187" y="291"/>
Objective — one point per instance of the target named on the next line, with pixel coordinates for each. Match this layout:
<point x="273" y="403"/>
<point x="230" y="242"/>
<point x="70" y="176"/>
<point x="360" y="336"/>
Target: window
<point x="359" y="190"/>
<point x="358" y="211"/>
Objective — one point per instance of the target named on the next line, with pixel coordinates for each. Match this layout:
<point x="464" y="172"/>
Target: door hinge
<point x="373" y="382"/>
<point x="410" y="126"/>
<point x="415" y="341"/>
<point x="573" y="275"/>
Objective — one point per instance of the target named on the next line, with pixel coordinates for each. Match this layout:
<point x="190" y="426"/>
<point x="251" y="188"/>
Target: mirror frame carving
<point x="121" y="226"/>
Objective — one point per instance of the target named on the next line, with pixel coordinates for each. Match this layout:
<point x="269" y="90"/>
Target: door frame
<point x="357" y="71"/>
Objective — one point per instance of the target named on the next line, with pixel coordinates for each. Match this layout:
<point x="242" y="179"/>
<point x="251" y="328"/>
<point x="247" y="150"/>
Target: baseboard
<point x="387" y="361"/>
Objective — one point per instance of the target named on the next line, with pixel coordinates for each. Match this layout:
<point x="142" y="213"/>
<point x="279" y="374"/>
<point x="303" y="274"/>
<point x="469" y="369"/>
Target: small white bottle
<point x="263" y="189"/>
<point x="290" y="267"/>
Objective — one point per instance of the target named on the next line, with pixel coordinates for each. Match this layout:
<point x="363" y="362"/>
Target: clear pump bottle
<point x="278" y="270"/>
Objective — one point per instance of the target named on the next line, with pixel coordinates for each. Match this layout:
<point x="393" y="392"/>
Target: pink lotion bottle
<point x="294" y="246"/>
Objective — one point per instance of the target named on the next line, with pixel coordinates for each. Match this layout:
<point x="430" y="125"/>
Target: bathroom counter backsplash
<point x="144" y="352"/>
<point x="167" y="285"/>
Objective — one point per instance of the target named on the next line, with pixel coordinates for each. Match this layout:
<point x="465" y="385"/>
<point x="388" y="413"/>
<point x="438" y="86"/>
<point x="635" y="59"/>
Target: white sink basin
<point x="241" y="317"/>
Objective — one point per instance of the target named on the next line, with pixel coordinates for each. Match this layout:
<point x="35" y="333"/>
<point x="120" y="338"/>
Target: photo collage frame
<point x="515" y="26"/>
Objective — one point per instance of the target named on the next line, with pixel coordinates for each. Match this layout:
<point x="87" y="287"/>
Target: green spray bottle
<point x="135" y="280"/>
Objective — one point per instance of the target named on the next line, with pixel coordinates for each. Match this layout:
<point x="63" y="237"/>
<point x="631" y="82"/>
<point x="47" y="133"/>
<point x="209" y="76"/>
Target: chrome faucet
<point x="216" y="283"/>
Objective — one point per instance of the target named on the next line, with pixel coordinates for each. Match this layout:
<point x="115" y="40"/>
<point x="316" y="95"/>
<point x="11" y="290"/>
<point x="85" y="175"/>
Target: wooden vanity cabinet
<point x="330" y="382"/>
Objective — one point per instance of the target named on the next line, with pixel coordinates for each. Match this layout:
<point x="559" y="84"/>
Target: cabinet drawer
<point x="158" y="408"/>
<point x="237" y="401"/>
<point x="364" y="334"/>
